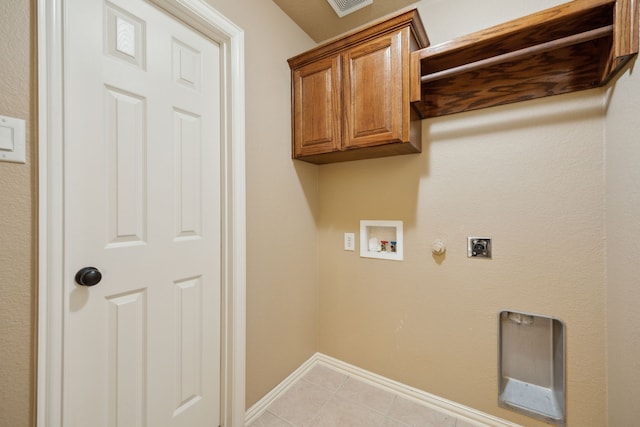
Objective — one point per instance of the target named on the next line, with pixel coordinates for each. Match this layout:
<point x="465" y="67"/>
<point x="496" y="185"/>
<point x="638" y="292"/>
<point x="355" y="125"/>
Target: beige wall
<point x="531" y="176"/>
<point x="282" y="293"/>
<point x="17" y="211"/>
<point x="623" y="247"/>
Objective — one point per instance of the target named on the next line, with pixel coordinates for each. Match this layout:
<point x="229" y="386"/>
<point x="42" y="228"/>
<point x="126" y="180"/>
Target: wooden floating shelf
<point x="575" y="46"/>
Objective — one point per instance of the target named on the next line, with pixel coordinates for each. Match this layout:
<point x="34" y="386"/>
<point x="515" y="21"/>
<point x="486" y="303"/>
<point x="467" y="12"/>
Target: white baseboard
<point x="261" y="405"/>
<point x="419" y="396"/>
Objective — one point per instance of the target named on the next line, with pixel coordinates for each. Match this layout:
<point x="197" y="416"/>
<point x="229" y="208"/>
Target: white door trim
<point x="209" y="22"/>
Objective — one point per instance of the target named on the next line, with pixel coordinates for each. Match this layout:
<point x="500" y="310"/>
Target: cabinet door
<point x="373" y="90"/>
<point x="317" y="108"/>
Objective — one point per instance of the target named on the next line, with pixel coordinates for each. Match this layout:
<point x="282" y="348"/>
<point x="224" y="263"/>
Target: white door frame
<point x="206" y="20"/>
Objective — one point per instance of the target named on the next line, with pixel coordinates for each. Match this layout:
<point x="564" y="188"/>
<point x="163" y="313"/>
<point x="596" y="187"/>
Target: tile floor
<point x="329" y="398"/>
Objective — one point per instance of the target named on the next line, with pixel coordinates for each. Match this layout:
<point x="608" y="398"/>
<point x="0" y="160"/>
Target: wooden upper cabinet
<point x="351" y="96"/>
<point x="363" y="95"/>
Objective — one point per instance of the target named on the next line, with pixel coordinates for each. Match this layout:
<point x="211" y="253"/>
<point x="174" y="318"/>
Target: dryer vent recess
<point x="532" y="366"/>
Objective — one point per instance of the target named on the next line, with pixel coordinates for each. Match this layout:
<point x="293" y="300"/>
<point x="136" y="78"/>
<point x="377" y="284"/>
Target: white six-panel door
<point x="142" y="205"/>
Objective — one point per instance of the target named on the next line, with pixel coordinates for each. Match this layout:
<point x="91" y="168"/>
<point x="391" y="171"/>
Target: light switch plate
<point x="12" y="140"/>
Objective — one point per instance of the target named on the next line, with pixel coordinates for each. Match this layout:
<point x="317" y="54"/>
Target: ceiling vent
<point x="345" y="7"/>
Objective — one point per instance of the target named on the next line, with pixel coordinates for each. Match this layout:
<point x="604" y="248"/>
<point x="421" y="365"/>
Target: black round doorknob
<point x="88" y="276"/>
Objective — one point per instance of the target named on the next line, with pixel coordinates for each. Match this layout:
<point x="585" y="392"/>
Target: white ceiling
<point x="320" y="22"/>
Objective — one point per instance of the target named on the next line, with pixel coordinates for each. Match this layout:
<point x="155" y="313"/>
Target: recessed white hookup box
<point x="381" y="239"/>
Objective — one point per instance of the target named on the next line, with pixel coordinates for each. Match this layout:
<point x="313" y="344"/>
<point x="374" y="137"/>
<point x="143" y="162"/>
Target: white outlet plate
<point x="349" y="241"/>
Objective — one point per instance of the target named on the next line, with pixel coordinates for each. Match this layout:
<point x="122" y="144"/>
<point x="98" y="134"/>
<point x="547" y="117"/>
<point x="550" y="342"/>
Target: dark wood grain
<point x="566" y="70"/>
<point x="478" y="70"/>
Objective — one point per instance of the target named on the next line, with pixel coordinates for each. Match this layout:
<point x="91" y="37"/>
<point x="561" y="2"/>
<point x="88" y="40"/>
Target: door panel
<point x="318" y="108"/>
<point x="373" y="92"/>
<point x="142" y="185"/>
<point x="126" y="168"/>
<point x="127" y="345"/>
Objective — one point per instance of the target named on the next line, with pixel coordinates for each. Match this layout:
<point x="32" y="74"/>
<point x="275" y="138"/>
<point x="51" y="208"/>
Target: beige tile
<point x="464" y="422"/>
<point x="300" y="403"/>
<point x="325" y="397"/>
<point x="325" y="377"/>
<point x="269" y="420"/>
<point x="392" y="422"/>
<point x="366" y="395"/>
<point x="343" y="413"/>
<point x="417" y="415"/>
